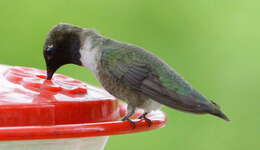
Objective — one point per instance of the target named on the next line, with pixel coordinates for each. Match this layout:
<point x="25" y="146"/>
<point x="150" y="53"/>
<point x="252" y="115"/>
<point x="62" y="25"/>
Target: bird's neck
<point x="90" y="50"/>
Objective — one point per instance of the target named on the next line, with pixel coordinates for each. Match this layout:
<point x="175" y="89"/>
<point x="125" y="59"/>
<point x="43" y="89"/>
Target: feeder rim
<point x="158" y="119"/>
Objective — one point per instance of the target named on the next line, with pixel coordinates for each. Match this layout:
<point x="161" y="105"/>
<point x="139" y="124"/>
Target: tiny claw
<point x="149" y="122"/>
<point x="130" y="121"/>
<point x="143" y="116"/>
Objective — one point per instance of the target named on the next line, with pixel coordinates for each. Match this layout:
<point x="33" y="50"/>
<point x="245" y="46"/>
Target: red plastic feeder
<point x="60" y="114"/>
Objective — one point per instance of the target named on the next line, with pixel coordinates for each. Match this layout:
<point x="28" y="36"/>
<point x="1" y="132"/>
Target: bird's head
<point x="62" y="47"/>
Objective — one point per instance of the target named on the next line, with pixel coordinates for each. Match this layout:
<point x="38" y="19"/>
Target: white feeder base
<point x="91" y="143"/>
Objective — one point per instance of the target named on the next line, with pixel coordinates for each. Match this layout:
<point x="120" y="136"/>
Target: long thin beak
<point x="50" y="73"/>
<point x="51" y="70"/>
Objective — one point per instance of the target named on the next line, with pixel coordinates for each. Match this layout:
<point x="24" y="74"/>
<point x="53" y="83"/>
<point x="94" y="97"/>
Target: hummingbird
<point x="126" y="71"/>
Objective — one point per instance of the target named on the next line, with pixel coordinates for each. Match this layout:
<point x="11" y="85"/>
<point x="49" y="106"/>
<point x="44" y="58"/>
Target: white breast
<point x="90" y="56"/>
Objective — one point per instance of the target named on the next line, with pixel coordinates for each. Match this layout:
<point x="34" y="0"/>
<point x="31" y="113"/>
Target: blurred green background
<point x="215" y="45"/>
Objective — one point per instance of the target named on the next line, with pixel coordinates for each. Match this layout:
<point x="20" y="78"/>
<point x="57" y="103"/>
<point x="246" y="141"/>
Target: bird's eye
<point x="49" y="49"/>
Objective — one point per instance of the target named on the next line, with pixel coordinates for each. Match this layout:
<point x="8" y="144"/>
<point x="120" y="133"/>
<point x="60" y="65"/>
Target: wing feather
<point x="143" y="78"/>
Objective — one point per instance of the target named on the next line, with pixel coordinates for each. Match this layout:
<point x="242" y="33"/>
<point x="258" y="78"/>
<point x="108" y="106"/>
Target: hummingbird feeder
<point x="63" y="113"/>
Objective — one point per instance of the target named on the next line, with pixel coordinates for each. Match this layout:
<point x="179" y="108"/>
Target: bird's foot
<point x="130" y="121"/>
<point x="143" y="116"/>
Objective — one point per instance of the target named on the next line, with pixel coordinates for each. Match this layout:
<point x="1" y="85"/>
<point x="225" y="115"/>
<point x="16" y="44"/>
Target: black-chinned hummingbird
<point x="126" y="71"/>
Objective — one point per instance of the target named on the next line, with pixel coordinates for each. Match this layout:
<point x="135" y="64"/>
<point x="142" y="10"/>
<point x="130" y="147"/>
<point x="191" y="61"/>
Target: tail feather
<point x="217" y="112"/>
<point x="221" y="115"/>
